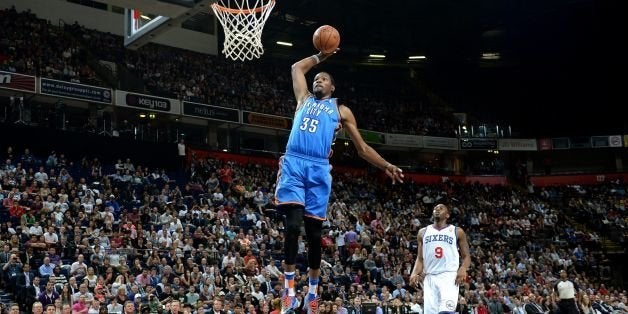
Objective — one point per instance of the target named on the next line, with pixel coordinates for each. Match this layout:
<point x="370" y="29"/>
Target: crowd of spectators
<point x="602" y="207"/>
<point x="86" y="237"/>
<point x="81" y="236"/>
<point x="35" y="46"/>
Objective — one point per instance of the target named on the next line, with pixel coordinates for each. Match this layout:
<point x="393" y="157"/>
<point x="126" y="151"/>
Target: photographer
<point x="11" y="270"/>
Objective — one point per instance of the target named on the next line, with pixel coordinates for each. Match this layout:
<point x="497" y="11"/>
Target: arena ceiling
<point x="558" y="66"/>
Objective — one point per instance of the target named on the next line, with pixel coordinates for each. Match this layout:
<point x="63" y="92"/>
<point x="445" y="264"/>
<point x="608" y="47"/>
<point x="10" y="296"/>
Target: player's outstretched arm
<point x="365" y="151"/>
<point x="463" y="245"/>
<point x="417" y="271"/>
<point x="299" y="69"/>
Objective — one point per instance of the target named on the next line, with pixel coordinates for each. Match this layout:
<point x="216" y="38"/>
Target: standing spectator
<point x="226" y="177"/>
<point x="11" y="269"/>
<point x="181" y="153"/>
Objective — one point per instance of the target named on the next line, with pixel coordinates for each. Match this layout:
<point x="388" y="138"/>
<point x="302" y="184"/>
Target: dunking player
<point x="441" y="246"/>
<point x="304" y="179"/>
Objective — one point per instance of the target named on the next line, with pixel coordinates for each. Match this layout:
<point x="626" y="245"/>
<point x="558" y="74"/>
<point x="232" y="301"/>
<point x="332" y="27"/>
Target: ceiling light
<point x="377" y="56"/>
<point x="491" y="55"/>
<point x="284" y="43"/>
<point x="145" y="17"/>
<point x="416" y="57"/>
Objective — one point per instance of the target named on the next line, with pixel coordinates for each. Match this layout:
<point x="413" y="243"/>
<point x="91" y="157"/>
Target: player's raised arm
<point x="463" y="245"/>
<point x="417" y="271"/>
<point x="365" y="151"/>
<point x="299" y="69"/>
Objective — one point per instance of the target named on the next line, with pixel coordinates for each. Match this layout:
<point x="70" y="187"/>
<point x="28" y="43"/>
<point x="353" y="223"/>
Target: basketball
<point x="326" y="39"/>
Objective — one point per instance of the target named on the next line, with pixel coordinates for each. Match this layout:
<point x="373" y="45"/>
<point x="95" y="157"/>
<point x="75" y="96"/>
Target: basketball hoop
<point x="243" y="22"/>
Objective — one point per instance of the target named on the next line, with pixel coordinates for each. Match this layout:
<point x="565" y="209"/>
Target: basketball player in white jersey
<point x="441" y="246"/>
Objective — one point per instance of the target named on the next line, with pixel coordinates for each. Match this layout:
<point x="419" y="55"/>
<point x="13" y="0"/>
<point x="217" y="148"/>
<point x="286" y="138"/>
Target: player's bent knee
<point x="293" y="229"/>
<point x="294" y="217"/>
<point x="313" y="228"/>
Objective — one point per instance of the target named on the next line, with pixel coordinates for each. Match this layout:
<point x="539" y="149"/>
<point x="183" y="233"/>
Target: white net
<point x="243" y="22"/>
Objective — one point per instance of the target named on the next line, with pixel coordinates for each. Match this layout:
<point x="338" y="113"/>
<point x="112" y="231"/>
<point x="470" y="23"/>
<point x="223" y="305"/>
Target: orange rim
<point x="241" y="11"/>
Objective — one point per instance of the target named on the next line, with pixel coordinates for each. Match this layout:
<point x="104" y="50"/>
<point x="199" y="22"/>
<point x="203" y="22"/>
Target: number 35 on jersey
<point x="309" y="124"/>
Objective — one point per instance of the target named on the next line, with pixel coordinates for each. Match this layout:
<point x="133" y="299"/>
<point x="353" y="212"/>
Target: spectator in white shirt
<point x="175" y="224"/>
<point x="83" y="291"/>
<point x="107" y="215"/>
<point x="41" y="176"/>
<point x="273" y="271"/>
<point x="229" y="258"/>
<point x="36" y="229"/>
<point x="79" y="268"/>
<point x="114" y="307"/>
<point x="49" y="204"/>
<point x="51" y="237"/>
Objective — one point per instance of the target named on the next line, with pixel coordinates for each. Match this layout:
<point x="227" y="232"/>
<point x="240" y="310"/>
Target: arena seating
<point x="260" y="86"/>
<point x="223" y="215"/>
<point x="214" y="232"/>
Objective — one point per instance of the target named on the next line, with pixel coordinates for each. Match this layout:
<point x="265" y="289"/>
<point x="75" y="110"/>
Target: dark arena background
<point x="138" y="163"/>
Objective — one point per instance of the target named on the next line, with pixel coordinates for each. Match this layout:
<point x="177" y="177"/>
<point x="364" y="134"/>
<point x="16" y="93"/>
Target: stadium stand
<point x="124" y="231"/>
<point x="219" y="233"/>
<point x="260" y="86"/>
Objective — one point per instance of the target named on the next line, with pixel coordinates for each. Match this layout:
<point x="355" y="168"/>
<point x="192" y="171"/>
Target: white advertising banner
<point x="436" y="142"/>
<point x="521" y="144"/>
<point x="404" y="140"/>
<point x="147" y="102"/>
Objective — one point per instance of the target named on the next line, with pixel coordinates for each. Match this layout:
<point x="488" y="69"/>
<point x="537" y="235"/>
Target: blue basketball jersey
<point x="314" y="128"/>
